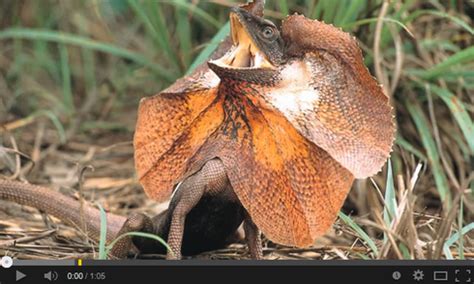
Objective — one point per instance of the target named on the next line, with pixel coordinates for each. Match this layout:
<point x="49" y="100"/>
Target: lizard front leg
<point x="137" y="222"/>
<point x="211" y="179"/>
<point x="190" y="192"/>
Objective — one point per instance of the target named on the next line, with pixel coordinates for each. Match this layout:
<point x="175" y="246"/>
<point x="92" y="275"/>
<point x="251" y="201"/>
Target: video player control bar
<point x="127" y="271"/>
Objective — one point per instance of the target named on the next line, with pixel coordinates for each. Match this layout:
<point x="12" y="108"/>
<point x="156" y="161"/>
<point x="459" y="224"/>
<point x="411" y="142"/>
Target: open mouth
<point x="244" y="53"/>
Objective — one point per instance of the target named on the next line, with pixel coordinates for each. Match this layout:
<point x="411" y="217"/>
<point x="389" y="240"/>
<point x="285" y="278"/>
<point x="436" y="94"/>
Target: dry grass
<point x="71" y="77"/>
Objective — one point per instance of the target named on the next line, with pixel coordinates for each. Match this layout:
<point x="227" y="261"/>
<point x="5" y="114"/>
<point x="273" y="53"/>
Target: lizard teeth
<point x="258" y="59"/>
<point x="240" y="56"/>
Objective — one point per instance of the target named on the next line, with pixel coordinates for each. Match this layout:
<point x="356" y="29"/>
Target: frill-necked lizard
<point x="270" y="132"/>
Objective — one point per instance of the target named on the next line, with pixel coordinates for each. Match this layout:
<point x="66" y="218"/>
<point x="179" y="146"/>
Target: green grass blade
<point x="66" y="78"/>
<point x="374" y="20"/>
<point x="397" y="11"/>
<point x="196" y="11"/>
<point x="362" y="256"/>
<point x="362" y="234"/>
<point x="405" y="251"/>
<point x="454" y="237"/>
<point x="183" y="30"/>
<point x="409" y="147"/>
<point x="89" y="71"/>
<point x="138" y="234"/>
<point x="350" y="14"/>
<point x="339" y="13"/>
<point x="389" y="212"/>
<point x="330" y="8"/>
<point x="459" y="113"/>
<point x="66" y="38"/>
<point x="460" y="223"/>
<point x="160" y="34"/>
<point x="42" y="54"/>
<point x="456" y="20"/>
<point x="436" y="44"/>
<point x="209" y="49"/>
<point x="459" y="139"/>
<point x="283" y="5"/>
<point x="318" y="10"/>
<point x="56" y="122"/>
<point x="423" y="127"/>
<point x="461" y="57"/>
<point x="310" y="5"/>
<point x="451" y="76"/>
<point x="140" y="11"/>
<point x="103" y="233"/>
<point x="159" y="20"/>
<point x="441" y="14"/>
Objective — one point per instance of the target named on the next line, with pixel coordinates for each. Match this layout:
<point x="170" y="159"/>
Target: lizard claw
<point x="173" y="256"/>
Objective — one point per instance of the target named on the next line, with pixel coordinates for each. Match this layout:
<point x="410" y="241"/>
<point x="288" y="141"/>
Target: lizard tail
<point x="60" y="206"/>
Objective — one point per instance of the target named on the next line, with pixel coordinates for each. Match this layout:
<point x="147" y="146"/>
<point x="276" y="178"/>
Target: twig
<point x="81" y="196"/>
<point x="437" y="138"/>
<point x="377" y="56"/>
<point x="399" y="58"/>
<point x="17" y="153"/>
<point x="28" y="239"/>
<point x="17" y="124"/>
<point x="17" y="159"/>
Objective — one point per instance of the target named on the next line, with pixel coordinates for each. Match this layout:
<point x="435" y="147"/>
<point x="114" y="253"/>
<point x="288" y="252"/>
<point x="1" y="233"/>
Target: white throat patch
<point x="295" y="94"/>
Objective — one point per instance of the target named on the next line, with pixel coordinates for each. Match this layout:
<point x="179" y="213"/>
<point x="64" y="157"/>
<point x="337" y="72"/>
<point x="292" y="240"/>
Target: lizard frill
<point x="290" y="149"/>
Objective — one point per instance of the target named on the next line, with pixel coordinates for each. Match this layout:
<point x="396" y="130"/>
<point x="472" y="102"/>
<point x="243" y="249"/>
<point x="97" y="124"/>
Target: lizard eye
<point x="268" y="32"/>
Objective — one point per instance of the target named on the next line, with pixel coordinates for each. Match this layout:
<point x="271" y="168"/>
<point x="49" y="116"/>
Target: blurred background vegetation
<point x="72" y="74"/>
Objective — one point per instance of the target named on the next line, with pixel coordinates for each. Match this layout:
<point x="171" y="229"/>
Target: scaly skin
<point x="272" y="132"/>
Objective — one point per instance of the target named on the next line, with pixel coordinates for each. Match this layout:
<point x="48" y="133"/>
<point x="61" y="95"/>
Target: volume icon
<point x="51" y="275"/>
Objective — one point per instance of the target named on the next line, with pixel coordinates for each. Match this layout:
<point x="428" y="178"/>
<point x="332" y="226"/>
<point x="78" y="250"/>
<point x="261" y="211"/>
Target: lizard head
<point x="257" y="48"/>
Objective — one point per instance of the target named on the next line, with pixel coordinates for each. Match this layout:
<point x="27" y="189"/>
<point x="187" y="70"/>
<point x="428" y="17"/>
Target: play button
<point x="19" y="275"/>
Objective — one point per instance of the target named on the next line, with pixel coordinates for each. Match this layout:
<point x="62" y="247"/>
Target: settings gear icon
<point x="418" y="275"/>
